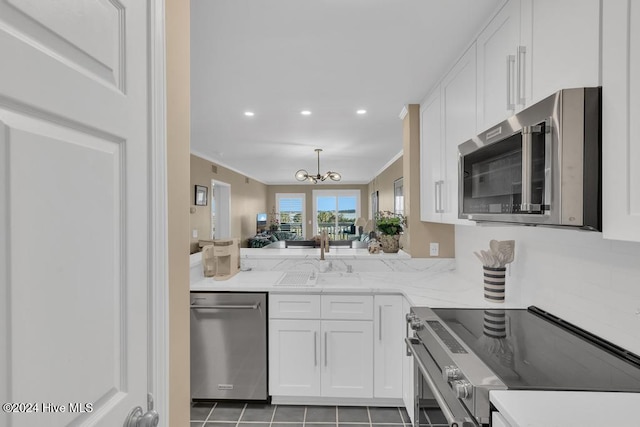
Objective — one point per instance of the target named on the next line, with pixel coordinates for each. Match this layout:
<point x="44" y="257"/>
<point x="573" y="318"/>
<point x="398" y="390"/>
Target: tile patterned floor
<point x="263" y="415"/>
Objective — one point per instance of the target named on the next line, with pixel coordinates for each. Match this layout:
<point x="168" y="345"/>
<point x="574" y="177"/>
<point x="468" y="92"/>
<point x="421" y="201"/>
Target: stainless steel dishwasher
<point x="229" y="346"/>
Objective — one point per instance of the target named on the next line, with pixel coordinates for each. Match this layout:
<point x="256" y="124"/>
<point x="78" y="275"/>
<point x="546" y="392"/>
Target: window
<point x="398" y="197"/>
<point x="290" y="210"/>
<point x="336" y="211"/>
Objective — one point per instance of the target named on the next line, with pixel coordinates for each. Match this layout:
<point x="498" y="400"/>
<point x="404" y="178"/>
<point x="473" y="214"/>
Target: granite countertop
<point x="314" y="253"/>
<point x="421" y="288"/>
<point x="566" y="408"/>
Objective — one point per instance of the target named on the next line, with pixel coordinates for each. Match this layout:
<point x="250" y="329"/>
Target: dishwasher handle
<point x="227" y="307"/>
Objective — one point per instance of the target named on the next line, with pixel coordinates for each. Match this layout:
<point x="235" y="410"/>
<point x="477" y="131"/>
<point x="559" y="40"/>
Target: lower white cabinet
<point x="351" y="347"/>
<point x="388" y="346"/>
<point x="294" y="357"/>
<point x="347" y="360"/>
<point x="408" y="395"/>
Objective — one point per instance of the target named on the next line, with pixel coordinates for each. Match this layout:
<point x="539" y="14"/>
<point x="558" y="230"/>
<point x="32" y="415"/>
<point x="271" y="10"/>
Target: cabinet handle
<point x="379" y="323"/>
<point x="511" y="59"/>
<point x="325" y="349"/>
<point x="435" y="197"/>
<point x="439" y="208"/>
<point x="315" y="348"/>
<point x="522" y="54"/>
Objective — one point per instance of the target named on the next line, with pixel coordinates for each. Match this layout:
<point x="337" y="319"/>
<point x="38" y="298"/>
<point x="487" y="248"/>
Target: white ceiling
<point x="332" y="57"/>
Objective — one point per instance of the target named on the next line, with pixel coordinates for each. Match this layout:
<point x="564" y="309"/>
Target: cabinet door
<point x="388" y="337"/>
<point x="431" y="172"/>
<point x="459" y="119"/>
<point x="407" y="368"/>
<point x="562" y="39"/>
<point x="497" y="67"/>
<point x="294" y="357"/>
<point x="347" y="362"/>
<point x="620" y="124"/>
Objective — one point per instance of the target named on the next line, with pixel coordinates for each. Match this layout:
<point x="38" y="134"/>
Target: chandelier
<point x="303" y="175"/>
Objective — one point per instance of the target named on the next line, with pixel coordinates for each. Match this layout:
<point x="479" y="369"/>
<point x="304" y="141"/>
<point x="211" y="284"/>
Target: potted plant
<point x="390" y="225"/>
<point x="274" y="221"/>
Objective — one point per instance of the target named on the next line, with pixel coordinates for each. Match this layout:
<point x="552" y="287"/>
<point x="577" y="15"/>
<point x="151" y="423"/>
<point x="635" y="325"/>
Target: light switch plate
<point x="434" y="249"/>
<point x="194" y="233"/>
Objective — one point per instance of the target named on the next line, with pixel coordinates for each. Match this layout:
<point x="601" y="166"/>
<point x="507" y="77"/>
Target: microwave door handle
<point x="462" y="421"/>
<point x="511" y="59"/>
<point x="525" y="205"/>
<point x="522" y="51"/>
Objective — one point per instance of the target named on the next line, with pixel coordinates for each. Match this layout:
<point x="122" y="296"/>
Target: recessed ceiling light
<point x="305" y="112"/>
<point x="249" y="113"/>
<point x="361" y="112"/>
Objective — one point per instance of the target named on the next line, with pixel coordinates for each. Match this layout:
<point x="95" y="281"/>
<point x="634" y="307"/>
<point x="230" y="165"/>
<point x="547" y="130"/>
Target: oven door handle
<point x="462" y="419"/>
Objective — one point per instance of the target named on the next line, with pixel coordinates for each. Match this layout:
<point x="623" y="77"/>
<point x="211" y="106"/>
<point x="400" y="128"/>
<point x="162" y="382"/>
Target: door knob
<point x="138" y="419"/>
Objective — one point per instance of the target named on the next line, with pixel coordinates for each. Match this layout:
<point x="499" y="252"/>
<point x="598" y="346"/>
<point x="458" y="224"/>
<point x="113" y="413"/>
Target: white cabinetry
<point x="562" y="41"/>
<point x="499" y="51"/>
<point x="407" y="368"/>
<point x="447" y="119"/>
<point x="620" y="124"/>
<point x="294" y="357"/>
<point x="533" y="48"/>
<point x="431" y="169"/>
<point x="388" y="346"/>
<point x="347" y="358"/>
<point x="321" y="345"/>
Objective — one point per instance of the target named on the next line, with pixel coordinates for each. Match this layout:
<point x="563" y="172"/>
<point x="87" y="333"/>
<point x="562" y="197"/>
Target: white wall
<point x="586" y="280"/>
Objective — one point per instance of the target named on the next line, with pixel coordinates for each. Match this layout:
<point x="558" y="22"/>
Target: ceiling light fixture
<point x="361" y="112"/>
<point x="303" y="175"/>
<point x="249" y="113"/>
<point x="305" y="112"/>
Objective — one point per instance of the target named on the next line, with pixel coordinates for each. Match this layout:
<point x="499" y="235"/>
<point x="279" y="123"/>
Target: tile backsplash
<point x="579" y="276"/>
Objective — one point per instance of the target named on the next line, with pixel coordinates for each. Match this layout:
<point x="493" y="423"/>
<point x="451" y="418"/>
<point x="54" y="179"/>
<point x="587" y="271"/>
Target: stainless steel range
<point x="462" y="354"/>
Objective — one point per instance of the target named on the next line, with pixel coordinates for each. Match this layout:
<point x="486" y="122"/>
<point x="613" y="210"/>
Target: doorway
<point x="220" y="210"/>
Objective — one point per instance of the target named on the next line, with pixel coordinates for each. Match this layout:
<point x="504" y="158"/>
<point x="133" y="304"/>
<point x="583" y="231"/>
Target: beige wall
<point x="248" y="198"/>
<point x="178" y="125"/>
<point x="420" y="234"/>
<point x="307" y="189"/>
<point x="383" y="184"/>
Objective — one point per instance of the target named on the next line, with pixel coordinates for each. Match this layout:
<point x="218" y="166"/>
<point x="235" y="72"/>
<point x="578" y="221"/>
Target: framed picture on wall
<point x="398" y="197"/>
<point x="374" y="204"/>
<point x="201" y="195"/>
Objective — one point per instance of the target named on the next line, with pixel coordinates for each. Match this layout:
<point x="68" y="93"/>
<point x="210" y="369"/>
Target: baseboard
<point x="336" y="401"/>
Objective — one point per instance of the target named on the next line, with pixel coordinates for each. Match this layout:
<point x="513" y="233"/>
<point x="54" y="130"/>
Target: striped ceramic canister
<point x="494" y="283"/>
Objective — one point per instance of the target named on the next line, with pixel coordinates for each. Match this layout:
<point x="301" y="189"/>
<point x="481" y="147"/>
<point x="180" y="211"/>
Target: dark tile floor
<point x="262" y="415"/>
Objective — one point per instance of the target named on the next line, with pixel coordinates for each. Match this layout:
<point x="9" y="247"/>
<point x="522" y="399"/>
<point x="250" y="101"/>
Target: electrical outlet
<point x="434" y="249"/>
<point x="194" y="233"/>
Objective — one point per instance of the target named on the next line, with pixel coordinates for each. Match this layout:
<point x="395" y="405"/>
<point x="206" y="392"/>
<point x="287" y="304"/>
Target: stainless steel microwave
<point x="542" y="166"/>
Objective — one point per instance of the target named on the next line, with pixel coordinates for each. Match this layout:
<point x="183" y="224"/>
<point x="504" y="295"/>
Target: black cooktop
<point x="531" y="349"/>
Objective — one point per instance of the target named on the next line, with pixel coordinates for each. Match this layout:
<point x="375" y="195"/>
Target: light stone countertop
<point x="525" y="408"/>
<point x="421" y="288"/>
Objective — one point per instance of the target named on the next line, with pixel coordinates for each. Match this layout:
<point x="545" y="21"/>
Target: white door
<point x="74" y="210"/>
<point x="620" y="124"/>
<point x="294" y="357"/>
<point x="459" y="125"/>
<point x="388" y="346"/>
<point x="431" y="170"/>
<point x="347" y="362"/>
<point x="497" y="67"/>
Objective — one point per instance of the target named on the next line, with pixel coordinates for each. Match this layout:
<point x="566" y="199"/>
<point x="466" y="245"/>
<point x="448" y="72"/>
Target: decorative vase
<point x="390" y="243"/>
<point x="273" y="227"/>
<point x="494" y="280"/>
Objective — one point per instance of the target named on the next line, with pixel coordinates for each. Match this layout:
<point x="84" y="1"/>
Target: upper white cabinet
<point x="447" y="119"/>
<point x="620" y="124"/>
<point x="533" y="48"/>
<point x="562" y="42"/>
<point x="499" y="53"/>
<point x="431" y="159"/>
<point x="459" y="124"/>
